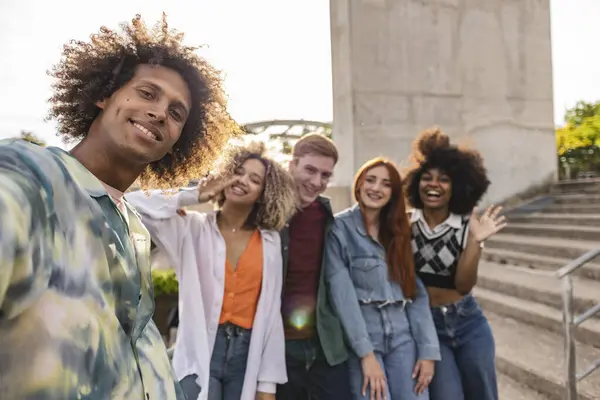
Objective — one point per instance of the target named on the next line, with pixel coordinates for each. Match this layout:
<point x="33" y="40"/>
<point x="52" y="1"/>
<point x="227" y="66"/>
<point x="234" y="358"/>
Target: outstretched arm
<point x="25" y="210"/>
<point x="158" y="210"/>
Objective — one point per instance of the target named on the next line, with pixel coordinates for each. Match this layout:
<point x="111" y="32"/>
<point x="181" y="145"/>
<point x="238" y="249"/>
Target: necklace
<point x="220" y="219"/>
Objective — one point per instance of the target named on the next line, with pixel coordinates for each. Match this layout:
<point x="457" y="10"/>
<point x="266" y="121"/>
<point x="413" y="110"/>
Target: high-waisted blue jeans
<point x="228" y="363"/>
<point x="395" y="349"/>
<point x="467" y="370"/>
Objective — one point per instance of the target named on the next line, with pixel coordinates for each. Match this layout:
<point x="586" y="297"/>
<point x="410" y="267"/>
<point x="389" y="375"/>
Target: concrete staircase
<point x="522" y="298"/>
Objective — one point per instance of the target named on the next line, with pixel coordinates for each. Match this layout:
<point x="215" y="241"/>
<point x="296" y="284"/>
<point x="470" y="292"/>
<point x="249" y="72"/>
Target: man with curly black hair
<point x="76" y="294"/>
<point x="444" y="185"/>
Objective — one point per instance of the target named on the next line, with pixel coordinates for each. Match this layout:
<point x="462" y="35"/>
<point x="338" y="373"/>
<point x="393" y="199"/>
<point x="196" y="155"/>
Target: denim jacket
<point x="356" y="270"/>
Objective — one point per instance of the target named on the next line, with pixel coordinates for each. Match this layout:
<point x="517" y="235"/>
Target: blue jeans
<point x="394" y="347"/>
<point x="309" y="374"/>
<point x="467" y="370"/>
<point x="228" y="363"/>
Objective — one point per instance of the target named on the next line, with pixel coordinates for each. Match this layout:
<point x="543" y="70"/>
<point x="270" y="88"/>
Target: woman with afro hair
<point x="230" y="341"/>
<point x="443" y="185"/>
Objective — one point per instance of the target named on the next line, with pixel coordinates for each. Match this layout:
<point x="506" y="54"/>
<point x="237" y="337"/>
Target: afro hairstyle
<point x="432" y="150"/>
<point x="91" y="71"/>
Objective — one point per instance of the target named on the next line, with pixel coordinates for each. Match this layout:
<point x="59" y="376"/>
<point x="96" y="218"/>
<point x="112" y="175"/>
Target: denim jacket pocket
<point x="365" y="273"/>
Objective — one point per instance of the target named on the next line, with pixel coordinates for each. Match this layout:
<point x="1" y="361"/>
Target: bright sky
<point x="275" y="53"/>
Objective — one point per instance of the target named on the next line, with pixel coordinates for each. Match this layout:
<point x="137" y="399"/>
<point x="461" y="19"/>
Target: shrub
<point x="165" y="282"/>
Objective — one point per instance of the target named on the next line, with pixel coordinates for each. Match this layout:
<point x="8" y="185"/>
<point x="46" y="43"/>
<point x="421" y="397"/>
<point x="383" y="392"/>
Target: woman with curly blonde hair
<point x="230" y="342"/>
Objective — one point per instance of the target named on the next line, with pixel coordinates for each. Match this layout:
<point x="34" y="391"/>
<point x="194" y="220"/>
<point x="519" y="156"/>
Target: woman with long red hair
<point x="382" y="305"/>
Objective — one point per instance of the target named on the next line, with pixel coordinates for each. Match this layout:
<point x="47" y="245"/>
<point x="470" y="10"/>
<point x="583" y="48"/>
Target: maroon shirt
<point x="307" y="237"/>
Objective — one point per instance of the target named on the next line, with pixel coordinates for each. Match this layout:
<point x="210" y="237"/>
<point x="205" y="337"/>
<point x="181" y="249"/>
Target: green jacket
<point x="329" y="327"/>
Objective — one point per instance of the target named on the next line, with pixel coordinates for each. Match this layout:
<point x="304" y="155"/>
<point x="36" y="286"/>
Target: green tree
<point x="31" y="137"/>
<point x="582" y="110"/>
<point x="578" y="140"/>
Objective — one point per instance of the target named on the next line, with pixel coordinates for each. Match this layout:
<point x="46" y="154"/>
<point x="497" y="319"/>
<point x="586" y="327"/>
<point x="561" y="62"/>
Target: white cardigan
<point x="196" y="249"/>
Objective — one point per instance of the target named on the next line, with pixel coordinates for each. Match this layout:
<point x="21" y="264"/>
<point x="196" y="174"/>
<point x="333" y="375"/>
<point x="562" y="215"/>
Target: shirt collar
<point x="359" y="221"/>
<point x="453" y="220"/>
<point x="84" y="178"/>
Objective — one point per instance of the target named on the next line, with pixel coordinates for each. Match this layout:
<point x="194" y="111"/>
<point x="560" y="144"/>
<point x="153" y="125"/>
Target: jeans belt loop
<point x="404" y="303"/>
<point x="385" y="303"/>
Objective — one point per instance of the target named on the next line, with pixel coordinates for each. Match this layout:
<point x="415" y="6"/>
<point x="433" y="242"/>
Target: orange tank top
<point x="243" y="284"/>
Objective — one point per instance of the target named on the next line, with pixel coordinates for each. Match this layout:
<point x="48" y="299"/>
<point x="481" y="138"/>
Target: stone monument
<point x="480" y="69"/>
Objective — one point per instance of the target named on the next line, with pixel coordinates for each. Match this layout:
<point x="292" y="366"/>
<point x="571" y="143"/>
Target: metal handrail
<point x="570" y="322"/>
<point x="578" y="263"/>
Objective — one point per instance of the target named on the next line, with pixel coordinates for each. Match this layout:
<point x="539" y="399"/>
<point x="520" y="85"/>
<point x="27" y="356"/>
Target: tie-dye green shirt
<point x="76" y="295"/>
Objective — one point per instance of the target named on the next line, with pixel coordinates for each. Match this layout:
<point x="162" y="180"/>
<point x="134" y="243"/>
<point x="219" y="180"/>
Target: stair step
<point x="539" y="286"/>
<point x="555" y="231"/>
<point x="537" y="314"/>
<point x="510" y="389"/>
<point x="578" y="187"/>
<point x="572" y="208"/>
<point x="558" y="219"/>
<point x="590" y="270"/>
<point x="535" y="358"/>
<point x="577" y="199"/>
<point x="551" y="247"/>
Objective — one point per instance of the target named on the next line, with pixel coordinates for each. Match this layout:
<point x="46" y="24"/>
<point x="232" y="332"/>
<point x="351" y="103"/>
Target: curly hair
<point x="394" y="228"/>
<point x="92" y="71"/>
<point x="465" y="168"/>
<point x="278" y="201"/>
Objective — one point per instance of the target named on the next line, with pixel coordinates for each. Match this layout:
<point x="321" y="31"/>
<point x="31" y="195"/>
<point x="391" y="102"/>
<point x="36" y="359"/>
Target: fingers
<point x="374" y="391"/>
<point x="216" y="185"/>
<point x="378" y="388"/>
<point x="499" y="227"/>
<point x="495" y="211"/>
<point x="382" y="390"/>
<point x="422" y="383"/>
<point x="499" y="220"/>
<point x="228" y="182"/>
<point x="204" y="182"/>
<point x="182" y="212"/>
<point x="500" y="223"/>
<point x="212" y="185"/>
<point x="374" y="379"/>
<point x="416" y="370"/>
<point x="486" y="213"/>
<point x="491" y="213"/>
<point x="425" y="375"/>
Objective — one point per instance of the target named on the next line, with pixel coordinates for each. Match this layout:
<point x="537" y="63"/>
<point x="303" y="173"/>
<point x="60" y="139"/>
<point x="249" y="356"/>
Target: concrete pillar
<point x="480" y="69"/>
